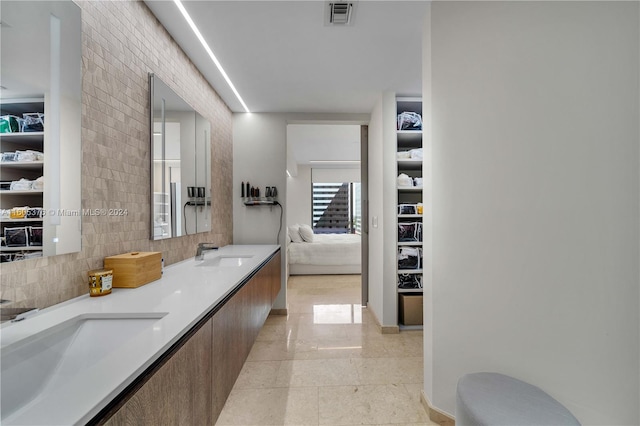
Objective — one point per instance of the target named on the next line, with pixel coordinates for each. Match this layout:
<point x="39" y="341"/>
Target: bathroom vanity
<point x="168" y="352"/>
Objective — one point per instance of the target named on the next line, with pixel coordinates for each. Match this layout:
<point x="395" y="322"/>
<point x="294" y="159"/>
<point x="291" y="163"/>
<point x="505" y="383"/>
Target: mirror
<point x="180" y="169"/>
<point x="40" y="129"/>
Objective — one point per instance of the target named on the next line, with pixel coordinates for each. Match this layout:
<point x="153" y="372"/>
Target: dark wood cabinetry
<point x="179" y="392"/>
<point x="191" y="384"/>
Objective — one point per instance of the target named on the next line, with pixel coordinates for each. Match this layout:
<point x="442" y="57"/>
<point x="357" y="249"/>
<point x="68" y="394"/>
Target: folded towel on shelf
<point x="10" y="124"/>
<point x="404" y="180"/>
<point x="21" y="185"/>
<point x="29" y="155"/>
<point x="38" y="183"/>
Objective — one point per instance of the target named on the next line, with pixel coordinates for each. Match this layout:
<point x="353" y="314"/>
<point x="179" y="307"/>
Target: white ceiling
<point x="282" y="57"/>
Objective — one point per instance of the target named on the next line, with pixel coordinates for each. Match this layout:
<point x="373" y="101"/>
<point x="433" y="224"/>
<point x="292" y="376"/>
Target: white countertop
<point x="186" y="293"/>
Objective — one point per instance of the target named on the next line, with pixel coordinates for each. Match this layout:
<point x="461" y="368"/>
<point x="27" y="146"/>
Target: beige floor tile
<point x="327" y="363"/>
<point x="368" y="404"/>
<point x="278" y="350"/>
<point x="272" y="332"/>
<point x="295" y="307"/>
<point x="323" y="281"/>
<point x="390" y="370"/>
<point x="414" y="390"/>
<point x="317" y="349"/>
<point x="331" y="297"/>
<point x="405" y="347"/>
<point x="317" y="372"/>
<point x="346" y="348"/>
<point x="367" y="330"/>
<point x="326" y="315"/>
<point x="319" y="331"/>
<point x="426" y="423"/>
<point x="276" y="319"/>
<point x="258" y="374"/>
<point x="281" y="406"/>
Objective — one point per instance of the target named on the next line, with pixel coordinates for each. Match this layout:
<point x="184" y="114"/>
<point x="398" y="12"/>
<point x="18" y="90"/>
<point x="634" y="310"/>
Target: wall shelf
<point x="409" y="164"/>
<point x="28" y="192"/>
<point x="409" y="290"/>
<point x="409" y="271"/>
<point x="259" y="202"/>
<point x="410" y="188"/>
<point x="22" y="164"/>
<point x="409" y="243"/>
<point x="20" y="220"/>
<point x="408" y="140"/>
<point x="21" y="248"/>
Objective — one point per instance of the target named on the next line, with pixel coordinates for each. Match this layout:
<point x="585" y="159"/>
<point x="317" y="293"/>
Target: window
<point x="336" y="208"/>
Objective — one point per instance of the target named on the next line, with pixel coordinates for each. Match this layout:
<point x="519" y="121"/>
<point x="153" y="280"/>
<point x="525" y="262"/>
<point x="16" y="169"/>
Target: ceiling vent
<point x="339" y="13"/>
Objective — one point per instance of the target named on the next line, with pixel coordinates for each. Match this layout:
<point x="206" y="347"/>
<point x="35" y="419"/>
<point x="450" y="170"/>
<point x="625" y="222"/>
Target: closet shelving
<point x="15" y="170"/>
<point x="161" y="225"/>
<point x="408" y="140"/>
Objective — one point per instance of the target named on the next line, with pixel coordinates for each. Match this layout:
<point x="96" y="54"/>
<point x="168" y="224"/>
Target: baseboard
<point x="389" y="329"/>
<point x="279" y="312"/>
<point x="435" y="415"/>
<point x="383" y="329"/>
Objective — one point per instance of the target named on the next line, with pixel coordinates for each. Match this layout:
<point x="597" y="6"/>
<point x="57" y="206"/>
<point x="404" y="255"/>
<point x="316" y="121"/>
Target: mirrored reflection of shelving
<point x="13" y="168"/>
<point x="161" y="221"/>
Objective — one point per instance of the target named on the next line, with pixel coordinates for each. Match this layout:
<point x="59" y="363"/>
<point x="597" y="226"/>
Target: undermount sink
<point x="226" y="260"/>
<point x="34" y="364"/>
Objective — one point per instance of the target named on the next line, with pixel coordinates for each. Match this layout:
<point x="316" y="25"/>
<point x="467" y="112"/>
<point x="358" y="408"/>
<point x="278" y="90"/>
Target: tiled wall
<point x="121" y="43"/>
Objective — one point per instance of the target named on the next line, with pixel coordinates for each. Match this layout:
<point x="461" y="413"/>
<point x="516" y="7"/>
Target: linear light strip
<point x="336" y="161"/>
<point x="196" y="31"/>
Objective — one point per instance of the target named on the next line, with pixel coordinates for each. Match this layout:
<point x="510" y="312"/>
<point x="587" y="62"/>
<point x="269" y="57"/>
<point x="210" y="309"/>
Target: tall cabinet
<point x="409" y="222"/>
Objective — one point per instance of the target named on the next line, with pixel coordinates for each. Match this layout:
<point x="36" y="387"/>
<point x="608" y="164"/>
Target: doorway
<point x="327" y="200"/>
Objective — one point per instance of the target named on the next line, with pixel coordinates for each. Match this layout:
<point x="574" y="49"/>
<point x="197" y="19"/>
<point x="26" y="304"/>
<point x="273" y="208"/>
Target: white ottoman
<point x="484" y="399"/>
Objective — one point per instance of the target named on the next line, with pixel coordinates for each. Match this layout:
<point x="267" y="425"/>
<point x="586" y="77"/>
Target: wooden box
<point x="131" y="270"/>
<point x="410" y="309"/>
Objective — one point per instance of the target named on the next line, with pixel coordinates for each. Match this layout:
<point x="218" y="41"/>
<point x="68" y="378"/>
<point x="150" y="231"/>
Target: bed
<point x="326" y="254"/>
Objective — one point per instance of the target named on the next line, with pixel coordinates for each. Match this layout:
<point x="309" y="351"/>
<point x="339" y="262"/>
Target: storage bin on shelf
<point x="410" y="309"/>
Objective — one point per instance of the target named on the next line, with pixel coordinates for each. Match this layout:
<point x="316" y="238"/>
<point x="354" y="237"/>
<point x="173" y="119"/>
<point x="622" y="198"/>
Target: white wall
<point x="376" y="201"/>
<point x="260" y="156"/>
<point x="536" y="200"/>
<point x="382" y="211"/>
<point x="299" y="196"/>
<point x="335" y="175"/>
<point x="427" y="197"/>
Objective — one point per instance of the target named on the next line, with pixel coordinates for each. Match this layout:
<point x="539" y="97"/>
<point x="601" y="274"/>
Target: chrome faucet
<point x="16" y="314"/>
<point x="202" y="247"/>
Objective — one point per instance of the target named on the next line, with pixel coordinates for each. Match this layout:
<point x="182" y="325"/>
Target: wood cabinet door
<point x="179" y="392"/>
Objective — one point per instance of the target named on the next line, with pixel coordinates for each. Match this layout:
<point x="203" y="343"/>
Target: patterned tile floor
<point x="326" y="364"/>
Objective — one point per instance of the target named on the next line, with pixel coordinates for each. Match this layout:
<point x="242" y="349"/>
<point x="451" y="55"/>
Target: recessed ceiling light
<point x="204" y="43"/>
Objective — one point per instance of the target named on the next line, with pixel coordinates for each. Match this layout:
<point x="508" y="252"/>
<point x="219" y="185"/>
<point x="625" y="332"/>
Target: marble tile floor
<point x="326" y="363"/>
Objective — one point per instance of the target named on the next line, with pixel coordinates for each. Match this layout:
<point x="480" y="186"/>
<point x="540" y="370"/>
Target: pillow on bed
<point x="294" y="234"/>
<point x="306" y="233"/>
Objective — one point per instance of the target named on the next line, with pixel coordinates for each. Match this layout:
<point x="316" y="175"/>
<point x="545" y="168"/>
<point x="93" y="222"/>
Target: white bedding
<point x="327" y="249"/>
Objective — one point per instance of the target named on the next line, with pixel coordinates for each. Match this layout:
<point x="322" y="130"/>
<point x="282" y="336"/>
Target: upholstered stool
<point x="488" y="399"/>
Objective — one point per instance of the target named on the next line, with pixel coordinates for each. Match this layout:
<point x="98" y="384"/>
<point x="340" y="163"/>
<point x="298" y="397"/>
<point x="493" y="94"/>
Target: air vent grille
<point x="340" y="13"/>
